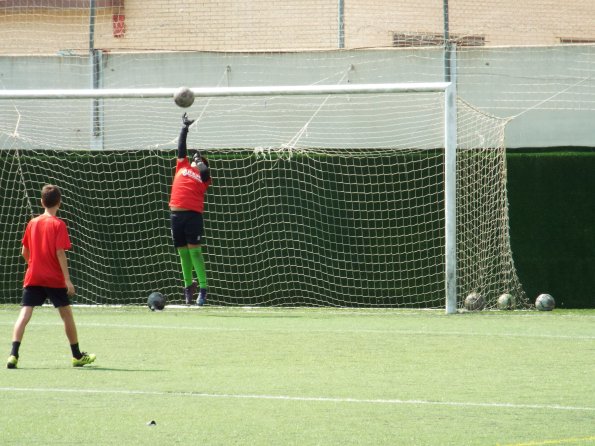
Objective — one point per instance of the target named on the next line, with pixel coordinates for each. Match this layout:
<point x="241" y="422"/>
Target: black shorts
<point x="187" y="228"/>
<point x="35" y="296"/>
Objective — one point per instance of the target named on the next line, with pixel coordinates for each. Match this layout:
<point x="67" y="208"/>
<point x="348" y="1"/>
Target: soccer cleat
<point x="12" y="362"/>
<point x="202" y="297"/>
<point x="189" y="293"/>
<point x="87" y="358"/>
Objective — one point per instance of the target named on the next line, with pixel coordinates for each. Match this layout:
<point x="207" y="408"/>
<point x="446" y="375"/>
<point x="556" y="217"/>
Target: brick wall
<point x="277" y="25"/>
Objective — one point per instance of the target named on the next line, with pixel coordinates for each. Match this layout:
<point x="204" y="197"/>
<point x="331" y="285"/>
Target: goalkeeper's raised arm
<point x="182" y="147"/>
<point x="186" y="203"/>
<point x="198" y="161"/>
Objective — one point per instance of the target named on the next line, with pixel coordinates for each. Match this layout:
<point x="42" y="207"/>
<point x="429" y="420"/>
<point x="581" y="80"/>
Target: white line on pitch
<point x="321" y="330"/>
<point x="300" y="398"/>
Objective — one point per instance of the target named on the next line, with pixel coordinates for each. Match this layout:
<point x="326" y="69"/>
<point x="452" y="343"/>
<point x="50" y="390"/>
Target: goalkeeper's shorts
<point x="187" y="228"/>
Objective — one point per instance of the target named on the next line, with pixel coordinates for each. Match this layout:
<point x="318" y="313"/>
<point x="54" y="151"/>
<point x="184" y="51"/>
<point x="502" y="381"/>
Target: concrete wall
<point x="548" y="91"/>
<point x="544" y="87"/>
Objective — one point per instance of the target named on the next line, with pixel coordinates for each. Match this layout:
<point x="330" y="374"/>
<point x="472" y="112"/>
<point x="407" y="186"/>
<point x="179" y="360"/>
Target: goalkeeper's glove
<point x="186" y="120"/>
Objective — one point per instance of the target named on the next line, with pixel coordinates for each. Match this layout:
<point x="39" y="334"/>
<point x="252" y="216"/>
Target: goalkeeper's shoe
<point x="87" y="358"/>
<point x="12" y="362"/>
<point x="189" y="293"/>
<point x="202" y="297"/>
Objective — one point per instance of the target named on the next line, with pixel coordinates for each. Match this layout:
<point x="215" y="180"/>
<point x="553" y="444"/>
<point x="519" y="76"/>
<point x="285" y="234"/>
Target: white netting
<point x="317" y="200"/>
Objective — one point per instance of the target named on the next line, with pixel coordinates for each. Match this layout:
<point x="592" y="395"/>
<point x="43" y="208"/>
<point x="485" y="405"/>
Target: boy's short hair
<point x="50" y="196"/>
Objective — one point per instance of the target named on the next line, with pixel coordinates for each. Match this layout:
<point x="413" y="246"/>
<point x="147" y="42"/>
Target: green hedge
<point x="552" y="223"/>
<point x="260" y="215"/>
<point x="551" y="219"/>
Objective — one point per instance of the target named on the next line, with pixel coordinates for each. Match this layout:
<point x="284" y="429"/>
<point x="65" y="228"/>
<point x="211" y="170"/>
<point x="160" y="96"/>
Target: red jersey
<point x="44" y="235"/>
<point x="188" y="190"/>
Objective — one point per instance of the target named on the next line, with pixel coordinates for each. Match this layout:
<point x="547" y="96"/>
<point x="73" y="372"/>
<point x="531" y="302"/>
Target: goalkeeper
<point x="190" y="184"/>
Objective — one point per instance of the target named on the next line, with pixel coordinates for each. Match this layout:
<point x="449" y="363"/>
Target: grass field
<point x="224" y="376"/>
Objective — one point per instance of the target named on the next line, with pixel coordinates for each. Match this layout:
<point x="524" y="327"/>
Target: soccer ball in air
<point x="506" y="302"/>
<point x="475" y="302"/>
<point x="545" y="302"/>
<point x="184" y="97"/>
<point x="156" y="301"/>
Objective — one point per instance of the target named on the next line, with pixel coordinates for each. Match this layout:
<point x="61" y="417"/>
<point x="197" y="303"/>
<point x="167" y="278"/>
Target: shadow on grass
<point x="88" y="368"/>
<point x="117" y="369"/>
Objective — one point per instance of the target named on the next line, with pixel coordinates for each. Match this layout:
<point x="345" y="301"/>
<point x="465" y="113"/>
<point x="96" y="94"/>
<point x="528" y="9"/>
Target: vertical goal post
<point x="449" y="132"/>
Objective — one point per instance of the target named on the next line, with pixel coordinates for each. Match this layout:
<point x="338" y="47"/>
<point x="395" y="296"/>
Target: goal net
<point x="317" y="200"/>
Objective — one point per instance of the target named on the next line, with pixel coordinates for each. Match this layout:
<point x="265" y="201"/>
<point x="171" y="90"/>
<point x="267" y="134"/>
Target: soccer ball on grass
<point x="156" y="301"/>
<point x="184" y="97"/>
<point x="545" y="302"/>
<point x="475" y="302"/>
<point x="506" y="302"/>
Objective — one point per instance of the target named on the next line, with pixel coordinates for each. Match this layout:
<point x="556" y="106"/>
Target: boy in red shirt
<point x="44" y="244"/>
<point x="186" y="203"/>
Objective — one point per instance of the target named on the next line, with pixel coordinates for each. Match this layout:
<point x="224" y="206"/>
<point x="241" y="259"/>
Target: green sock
<point x="198" y="261"/>
<point x="186" y="262"/>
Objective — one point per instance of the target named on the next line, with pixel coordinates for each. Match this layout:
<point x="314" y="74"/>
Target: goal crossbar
<point x="103" y="93"/>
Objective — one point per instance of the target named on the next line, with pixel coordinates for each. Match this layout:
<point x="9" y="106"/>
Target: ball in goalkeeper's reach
<point x="474" y="302"/>
<point x="156" y="301"/>
<point x="545" y="302"/>
<point x="184" y="97"/>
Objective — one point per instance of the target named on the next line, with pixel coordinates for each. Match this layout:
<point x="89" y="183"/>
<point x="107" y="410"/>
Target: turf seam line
<point x="288" y="330"/>
<point x="302" y="398"/>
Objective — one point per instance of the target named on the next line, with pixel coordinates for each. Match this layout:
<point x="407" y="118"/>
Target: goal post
<point x="450" y="198"/>
<point x="324" y="195"/>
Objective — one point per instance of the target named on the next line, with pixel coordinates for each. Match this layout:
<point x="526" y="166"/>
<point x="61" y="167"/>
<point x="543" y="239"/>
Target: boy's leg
<point x="194" y="238"/>
<point x="69" y="324"/>
<point x="186" y="263"/>
<point x="189" y="285"/>
<point x="79" y="358"/>
<point x="17" y="335"/>
<point x="198" y="261"/>
<point x="21" y="323"/>
<point x="178" y="232"/>
<point x="33" y="296"/>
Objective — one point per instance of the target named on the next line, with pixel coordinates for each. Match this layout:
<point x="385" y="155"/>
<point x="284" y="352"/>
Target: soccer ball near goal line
<point x="545" y="302"/>
<point x="156" y="301"/>
<point x="474" y="302"/>
<point x="506" y="302"/>
<point x="184" y="97"/>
